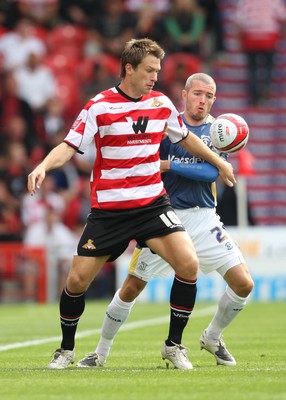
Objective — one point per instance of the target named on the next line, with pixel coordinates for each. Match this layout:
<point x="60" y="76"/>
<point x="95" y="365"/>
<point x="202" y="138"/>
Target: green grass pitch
<point x="30" y="333"/>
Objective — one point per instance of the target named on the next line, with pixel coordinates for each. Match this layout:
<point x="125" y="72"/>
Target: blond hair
<point x="199" y="76"/>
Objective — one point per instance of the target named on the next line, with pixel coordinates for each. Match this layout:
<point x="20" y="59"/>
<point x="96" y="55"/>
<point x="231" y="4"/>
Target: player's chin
<point x="148" y="89"/>
<point x="200" y="114"/>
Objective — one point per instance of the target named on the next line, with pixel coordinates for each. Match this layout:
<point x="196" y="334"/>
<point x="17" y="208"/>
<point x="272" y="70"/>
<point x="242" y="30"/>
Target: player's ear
<point x="128" y="68"/>
<point x="184" y="94"/>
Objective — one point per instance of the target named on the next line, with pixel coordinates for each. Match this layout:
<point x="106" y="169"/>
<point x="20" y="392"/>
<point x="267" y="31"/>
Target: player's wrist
<point x="165" y="165"/>
<point x="220" y="153"/>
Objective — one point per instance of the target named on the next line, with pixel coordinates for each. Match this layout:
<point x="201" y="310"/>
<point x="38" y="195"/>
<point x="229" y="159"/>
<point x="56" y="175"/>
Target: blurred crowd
<point x="57" y="54"/>
<point x="54" y="56"/>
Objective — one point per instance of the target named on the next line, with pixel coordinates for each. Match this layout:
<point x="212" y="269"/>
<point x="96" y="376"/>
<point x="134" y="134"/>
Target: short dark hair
<point x="137" y="49"/>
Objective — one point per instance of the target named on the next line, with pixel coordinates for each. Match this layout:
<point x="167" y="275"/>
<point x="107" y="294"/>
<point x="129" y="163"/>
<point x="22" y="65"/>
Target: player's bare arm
<point x="165" y="165"/>
<point x="195" y="146"/>
<point x="55" y="159"/>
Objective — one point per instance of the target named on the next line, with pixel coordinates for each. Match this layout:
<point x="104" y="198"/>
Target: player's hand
<point x="226" y="173"/>
<point x="35" y="179"/>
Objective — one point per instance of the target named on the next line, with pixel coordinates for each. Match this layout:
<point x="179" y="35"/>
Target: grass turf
<point x="135" y="369"/>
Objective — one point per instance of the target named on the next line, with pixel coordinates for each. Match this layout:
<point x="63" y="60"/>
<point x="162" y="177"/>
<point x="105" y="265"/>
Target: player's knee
<point x="129" y="294"/>
<point x="131" y="289"/>
<point x="249" y="286"/>
<point x="77" y="283"/>
<point x="245" y="288"/>
<point x="193" y="263"/>
<point x="188" y="267"/>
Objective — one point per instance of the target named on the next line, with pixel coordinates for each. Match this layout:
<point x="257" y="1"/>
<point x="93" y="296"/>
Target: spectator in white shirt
<point x="58" y="240"/>
<point x="259" y="24"/>
<point x="17" y="45"/>
<point x="34" y="207"/>
<point x="159" y="6"/>
<point x="36" y="83"/>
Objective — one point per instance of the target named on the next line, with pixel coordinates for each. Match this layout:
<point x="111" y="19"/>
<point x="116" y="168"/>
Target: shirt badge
<point x="89" y="245"/>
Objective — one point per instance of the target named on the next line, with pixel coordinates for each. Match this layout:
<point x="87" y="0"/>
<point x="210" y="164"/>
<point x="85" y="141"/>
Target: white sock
<point x="115" y="316"/>
<point x="229" y="307"/>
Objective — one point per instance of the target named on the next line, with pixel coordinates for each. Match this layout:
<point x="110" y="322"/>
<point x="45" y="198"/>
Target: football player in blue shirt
<point x="189" y="182"/>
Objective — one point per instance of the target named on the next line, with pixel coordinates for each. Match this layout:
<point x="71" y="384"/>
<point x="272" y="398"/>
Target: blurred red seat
<point x="108" y="61"/>
<point x="61" y="63"/>
<point x="3" y="30"/>
<point x="179" y="66"/>
<point x="67" y="36"/>
<point x="40" y="32"/>
<point x="68" y="92"/>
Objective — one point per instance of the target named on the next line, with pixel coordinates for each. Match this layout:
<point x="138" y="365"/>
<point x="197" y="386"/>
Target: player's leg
<point x="184" y="261"/>
<point x="143" y="266"/>
<point x="97" y="244"/>
<point x="187" y="265"/>
<point x="124" y="299"/>
<point x="233" y="300"/>
<point x="72" y="304"/>
<point x="178" y="251"/>
<point x="217" y="251"/>
<point x="116" y="314"/>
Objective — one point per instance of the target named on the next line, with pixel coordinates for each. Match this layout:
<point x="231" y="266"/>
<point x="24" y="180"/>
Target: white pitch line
<point x="126" y="327"/>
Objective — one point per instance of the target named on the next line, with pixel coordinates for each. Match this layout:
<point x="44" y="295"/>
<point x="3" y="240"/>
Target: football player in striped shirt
<point x="189" y="181"/>
<point x="128" y="199"/>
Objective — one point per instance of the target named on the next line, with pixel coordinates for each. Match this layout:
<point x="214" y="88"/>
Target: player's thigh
<point x="146" y="265"/>
<point x="177" y="250"/>
<point x="83" y="271"/>
<point x="214" y="246"/>
<point x="239" y="280"/>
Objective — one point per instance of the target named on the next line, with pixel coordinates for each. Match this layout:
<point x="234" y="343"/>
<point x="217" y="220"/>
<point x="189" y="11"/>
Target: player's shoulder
<point x="106" y="96"/>
<point x="156" y="94"/>
<point x="209" y="119"/>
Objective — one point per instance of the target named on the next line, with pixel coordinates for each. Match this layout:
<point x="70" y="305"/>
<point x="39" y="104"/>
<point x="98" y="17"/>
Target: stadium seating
<point x="267" y="188"/>
<point x="178" y="66"/>
<point x="67" y="39"/>
<point x="68" y="91"/>
<point x="108" y="61"/>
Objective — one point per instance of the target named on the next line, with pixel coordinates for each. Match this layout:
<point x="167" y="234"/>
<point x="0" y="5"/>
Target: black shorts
<point x="110" y="232"/>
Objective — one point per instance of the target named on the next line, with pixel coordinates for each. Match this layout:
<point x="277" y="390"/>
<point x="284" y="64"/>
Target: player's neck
<point x="193" y="122"/>
<point x="126" y="89"/>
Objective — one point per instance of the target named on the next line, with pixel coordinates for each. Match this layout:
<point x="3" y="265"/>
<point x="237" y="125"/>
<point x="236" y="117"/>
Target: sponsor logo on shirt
<point x="206" y="140"/>
<point x="140" y="125"/>
<point x="141" y="138"/>
<point x="186" y="160"/>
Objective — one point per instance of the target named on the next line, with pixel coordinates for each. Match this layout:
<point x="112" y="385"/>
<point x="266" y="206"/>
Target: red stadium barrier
<point x="23" y="273"/>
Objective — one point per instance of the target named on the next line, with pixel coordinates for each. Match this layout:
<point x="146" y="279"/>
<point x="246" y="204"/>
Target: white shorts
<point x="215" y="249"/>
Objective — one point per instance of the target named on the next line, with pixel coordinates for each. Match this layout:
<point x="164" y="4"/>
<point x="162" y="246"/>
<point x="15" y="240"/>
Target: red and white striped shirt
<point x="260" y="22"/>
<point x="127" y="135"/>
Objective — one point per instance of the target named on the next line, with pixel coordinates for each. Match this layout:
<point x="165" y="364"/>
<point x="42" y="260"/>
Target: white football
<point x="229" y="133"/>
